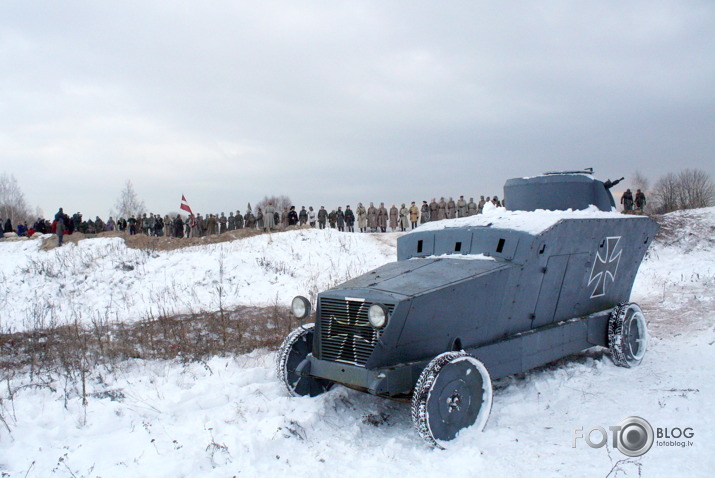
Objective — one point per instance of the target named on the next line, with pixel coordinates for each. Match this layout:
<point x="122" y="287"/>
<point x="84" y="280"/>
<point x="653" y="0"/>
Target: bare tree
<point x="12" y="200"/>
<point x="689" y="189"/>
<point x="128" y="203"/>
<point x="640" y="181"/>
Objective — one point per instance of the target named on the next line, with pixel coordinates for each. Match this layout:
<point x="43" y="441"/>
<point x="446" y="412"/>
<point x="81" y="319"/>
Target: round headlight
<point x="377" y="315"/>
<point x="300" y="307"/>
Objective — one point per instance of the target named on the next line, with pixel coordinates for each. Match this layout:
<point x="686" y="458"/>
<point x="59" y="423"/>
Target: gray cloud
<point x="334" y="103"/>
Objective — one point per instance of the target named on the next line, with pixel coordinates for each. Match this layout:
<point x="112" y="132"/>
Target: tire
<point x="627" y="335"/>
<point x="294" y="350"/>
<point x="453" y="392"/>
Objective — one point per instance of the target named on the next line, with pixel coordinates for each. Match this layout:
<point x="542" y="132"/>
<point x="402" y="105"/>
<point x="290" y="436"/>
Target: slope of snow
<point x="231" y="417"/>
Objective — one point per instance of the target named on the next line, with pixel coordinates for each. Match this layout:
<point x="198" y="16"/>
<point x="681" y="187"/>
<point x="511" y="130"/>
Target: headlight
<point x="300" y="307"/>
<point x="377" y="315"/>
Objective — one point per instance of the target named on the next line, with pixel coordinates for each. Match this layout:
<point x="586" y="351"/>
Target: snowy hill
<point x="231" y="417"/>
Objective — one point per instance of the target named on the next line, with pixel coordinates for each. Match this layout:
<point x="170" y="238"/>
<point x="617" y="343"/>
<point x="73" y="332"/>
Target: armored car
<point x="473" y="299"/>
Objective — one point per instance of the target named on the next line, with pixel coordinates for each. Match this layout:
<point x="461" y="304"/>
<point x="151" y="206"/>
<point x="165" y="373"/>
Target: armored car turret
<point x="473" y="299"/>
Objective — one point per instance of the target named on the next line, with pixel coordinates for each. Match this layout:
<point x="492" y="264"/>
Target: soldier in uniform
<point x="640" y="201"/>
<point x="414" y="215"/>
<point x="461" y="207"/>
<point x="627" y="201"/>
<point x="372" y="218"/>
<point x="382" y="217"/>
<point x="312" y="216"/>
<point x="424" y="212"/>
<point x="361" y="217"/>
<point x="261" y="221"/>
<point x="231" y="222"/>
<point x="480" y="206"/>
<point x="340" y="219"/>
<point x="269" y="219"/>
<point x="442" y="211"/>
<point x="471" y="207"/>
<point x="322" y="217"/>
<point x="433" y="210"/>
<point x="451" y="209"/>
<point x="404" y="218"/>
<point x="222" y="222"/>
<point x="332" y="218"/>
<point x="303" y="216"/>
<point x="349" y="219"/>
<point x="239" y="220"/>
<point x="393" y="218"/>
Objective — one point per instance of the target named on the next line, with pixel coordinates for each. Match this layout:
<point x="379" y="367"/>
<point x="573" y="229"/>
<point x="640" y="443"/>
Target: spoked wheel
<point x="453" y="392"/>
<point x="294" y="350"/>
<point x="627" y="335"/>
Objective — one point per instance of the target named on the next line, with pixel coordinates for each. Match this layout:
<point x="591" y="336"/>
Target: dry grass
<point x="76" y="349"/>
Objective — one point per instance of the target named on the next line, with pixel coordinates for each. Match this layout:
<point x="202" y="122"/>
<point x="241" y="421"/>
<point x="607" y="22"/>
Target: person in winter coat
<point x="332" y="218"/>
<point x="60" y="228"/>
<point x="361" y="217"/>
<point x="451" y="209"/>
<point x="340" y="219"/>
<point x="471" y="207"/>
<point x="414" y="215"/>
<point x="461" y="207"/>
<point x="178" y="226"/>
<point x="433" y="210"/>
<point x="442" y="211"/>
<point x="322" y="217"/>
<point x="627" y="201"/>
<point x="292" y="217"/>
<point x="382" y="217"/>
<point x="349" y="219"/>
<point x="640" y="201"/>
<point x="393" y="218"/>
<point x="303" y="216"/>
<point x="312" y="216"/>
<point x="404" y="218"/>
<point x="269" y="220"/>
<point x="372" y="218"/>
<point x="424" y="213"/>
<point x="8" y="225"/>
<point x="261" y="221"/>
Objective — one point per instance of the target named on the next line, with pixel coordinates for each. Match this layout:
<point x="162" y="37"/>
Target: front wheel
<point x="453" y="392"/>
<point x="627" y="335"/>
<point x="291" y="354"/>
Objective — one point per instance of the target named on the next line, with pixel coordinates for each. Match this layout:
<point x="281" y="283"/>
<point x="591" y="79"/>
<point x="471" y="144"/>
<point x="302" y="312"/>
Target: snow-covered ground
<point x="231" y="417"/>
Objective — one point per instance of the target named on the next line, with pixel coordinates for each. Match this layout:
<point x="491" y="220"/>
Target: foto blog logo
<point x="632" y="437"/>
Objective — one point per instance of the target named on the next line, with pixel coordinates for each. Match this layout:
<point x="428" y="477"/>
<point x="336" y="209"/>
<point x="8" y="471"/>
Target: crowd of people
<point x="267" y="218"/>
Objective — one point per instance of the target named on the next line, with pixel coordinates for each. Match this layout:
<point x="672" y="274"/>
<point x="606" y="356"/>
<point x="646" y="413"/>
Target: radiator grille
<point x="345" y="333"/>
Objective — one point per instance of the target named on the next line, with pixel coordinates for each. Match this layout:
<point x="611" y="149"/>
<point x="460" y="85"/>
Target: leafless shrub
<point x="689" y="189"/>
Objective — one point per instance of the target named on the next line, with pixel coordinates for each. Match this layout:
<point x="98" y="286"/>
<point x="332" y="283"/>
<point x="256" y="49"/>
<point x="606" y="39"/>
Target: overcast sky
<point x="334" y="102"/>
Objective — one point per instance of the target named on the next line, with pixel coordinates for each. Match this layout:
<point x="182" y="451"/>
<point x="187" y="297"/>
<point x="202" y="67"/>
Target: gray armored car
<point x="473" y="299"/>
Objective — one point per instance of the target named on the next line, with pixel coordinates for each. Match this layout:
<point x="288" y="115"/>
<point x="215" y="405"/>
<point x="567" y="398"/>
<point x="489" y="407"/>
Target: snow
<point x="231" y="416"/>
<point x="531" y="222"/>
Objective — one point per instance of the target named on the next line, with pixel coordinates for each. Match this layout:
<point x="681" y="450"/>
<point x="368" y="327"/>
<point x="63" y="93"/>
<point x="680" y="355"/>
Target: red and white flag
<point x="185" y="205"/>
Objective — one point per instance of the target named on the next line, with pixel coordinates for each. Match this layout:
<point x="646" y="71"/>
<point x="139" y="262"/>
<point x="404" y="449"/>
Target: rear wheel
<point x="627" y="335"/>
<point x="453" y="392"/>
<point x="291" y="354"/>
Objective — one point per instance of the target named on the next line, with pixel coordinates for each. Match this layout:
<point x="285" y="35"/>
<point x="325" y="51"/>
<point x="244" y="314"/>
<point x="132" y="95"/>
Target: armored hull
<point x="510" y="289"/>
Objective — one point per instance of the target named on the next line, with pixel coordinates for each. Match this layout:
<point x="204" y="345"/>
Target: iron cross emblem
<point x="605" y="265"/>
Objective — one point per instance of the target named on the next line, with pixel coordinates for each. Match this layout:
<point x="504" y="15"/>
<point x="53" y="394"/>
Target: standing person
<point x="239" y="220"/>
<point x="404" y="218"/>
<point x="340" y="219"/>
<point x="627" y="201"/>
<point x="269" y="219"/>
<point x="414" y="215"/>
<point x="640" y="201"/>
<point x="292" y="217"/>
<point x="261" y="221"/>
<point x="332" y="218"/>
<point x="424" y="213"/>
<point x="461" y="207"/>
<point x="393" y="218"/>
<point x="433" y="210"/>
<point x="382" y="217"/>
<point x="312" y="216"/>
<point x="480" y="206"/>
<point x="60" y="218"/>
<point x="178" y="226"/>
<point x="303" y="216"/>
<point x="349" y="219"/>
<point x="132" y="225"/>
<point x="231" y="221"/>
<point x="222" y="223"/>
<point x="442" y="211"/>
<point x="372" y="218"/>
<point x="451" y="209"/>
<point x="361" y="217"/>
<point x="322" y="217"/>
<point x="471" y="207"/>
